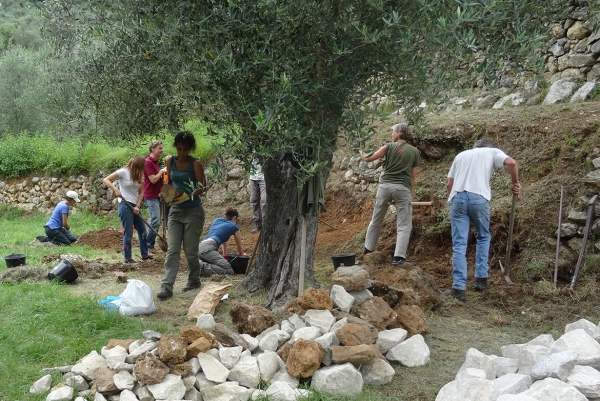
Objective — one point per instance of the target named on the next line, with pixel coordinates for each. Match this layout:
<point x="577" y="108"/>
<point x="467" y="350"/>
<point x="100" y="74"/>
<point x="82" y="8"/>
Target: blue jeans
<point x="130" y="220"/>
<point x="469" y="208"/>
<point x="59" y="236"/>
<point x="153" y="206"/>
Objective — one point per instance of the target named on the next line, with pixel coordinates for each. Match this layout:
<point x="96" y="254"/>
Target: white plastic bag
<point x="137" y="299"/>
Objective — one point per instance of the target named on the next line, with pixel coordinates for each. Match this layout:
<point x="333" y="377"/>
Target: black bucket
<point x="15" y="259"/>
<point x="344" y="259"/>
<point x="64" y="271"/>
<point x="239" y="263"/>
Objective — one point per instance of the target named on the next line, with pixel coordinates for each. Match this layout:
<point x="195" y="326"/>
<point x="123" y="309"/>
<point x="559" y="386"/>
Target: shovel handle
<point x="511" y="225"/>
<point x="145" y="222"/>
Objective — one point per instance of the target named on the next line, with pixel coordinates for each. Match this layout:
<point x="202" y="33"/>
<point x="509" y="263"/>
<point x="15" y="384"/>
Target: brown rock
<point x="198" y="346"/>
<point x="352" y="278"/>
<point x="375" y="311"/>
<point x="354" y="334"/>
<point x="357" y="354"/>
<point x="412" y="319"/>
<point x="193" y="333"/>
<point x="415" y="278"/>
<point x="410" y="297"/>
<point x="353" y="319"/>
<point x="104" y="381"/>
<point x="376" y="258"/>
<point x="172" y="349"/>
<point x="182" y="369"/>
<point x="284" y="351"/>
<point x="313" y="299"/>
<point x="250" y="319"/>
<point x="228" y="337"/>
<point x="304" y="359"/>
<point x="149" y="369"/>
<point x="121" y="277"/>
<point x="389" y="294"/>
<point x="123" y="343"/>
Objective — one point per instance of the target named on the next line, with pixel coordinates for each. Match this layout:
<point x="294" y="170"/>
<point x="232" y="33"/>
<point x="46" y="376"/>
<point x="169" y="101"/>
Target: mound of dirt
<point x="107" y="238"/>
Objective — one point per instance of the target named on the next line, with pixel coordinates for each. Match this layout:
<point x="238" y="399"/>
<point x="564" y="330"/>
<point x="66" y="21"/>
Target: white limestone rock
<point x="342" y="379"/>
<point x="339" y="324"/>
<point x="77" y="382"/>
<point x="61" y="394"/>
<point x="360" y="296"/>
<point x="114" y="356"/>
<point x="282" y="391"/>
<point x="327" y="341"/>
<point x="230" y="355"/>
<point x="268" y="365"/>
<point x="388" y="339"/>
<point x="584" y="324"/>
<point x="582" y="343"/>
<point x="171" y="388"/>
<point x="297" y="321"/>
<point x="306" y="333"/>
<point x="585" y="379"/>
<point x="512" y="383"/>
<point x="288" y="327"/>
<point x="229" y="391"/>
<point x="127" y="395"/>
<point x="195" y="363"/>
<point x="212" y="368"/>
<point x="89" y="365"/>
<point x="470" y="373"/>
<point x="468" y="390"/>
<point x="214" y="353"/>
<point x="205" y="321"/>
<point x="529" y="355"/>
<point x="543" y="339"/>
<point x="283" y="376"/>
<point x="42" y="385"/>
<point x="516" y="397"/>
<point x="551" y="389"/>
<point x="322" y="319"/>
<point x="557" y="365"/>
<point x="378" y="373"/>
<point x="124" y="380"/>
<point x="147" y="346"/>
<point x="252" y="342"/>
<point x="245" y="372"/>
<point x="341" y="298"/>
<point x="511" y="351"/>
<point x="411" y="352"/>
<point x="192" y="395"/>
<point x="504" y="366"/>
<point x="189" y="382"/>
<point x="273" y="340"/>
<point x="203" y="382"/>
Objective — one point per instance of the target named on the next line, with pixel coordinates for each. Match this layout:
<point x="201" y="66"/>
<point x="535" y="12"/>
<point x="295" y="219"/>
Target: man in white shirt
<point x="258" y="195"/>
<point x="469" y="197"/>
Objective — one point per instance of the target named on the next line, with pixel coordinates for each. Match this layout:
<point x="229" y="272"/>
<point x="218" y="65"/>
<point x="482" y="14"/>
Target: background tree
<point x="284" y="78"/>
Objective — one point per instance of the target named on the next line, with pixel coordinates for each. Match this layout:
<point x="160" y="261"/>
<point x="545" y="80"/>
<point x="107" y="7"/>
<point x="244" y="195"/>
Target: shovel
<point x="509" y="242"/>
<point x="161" y="241"/>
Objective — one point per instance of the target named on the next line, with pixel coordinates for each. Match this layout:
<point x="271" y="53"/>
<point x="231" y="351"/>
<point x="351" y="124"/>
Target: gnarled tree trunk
<point x="277" y="265"/>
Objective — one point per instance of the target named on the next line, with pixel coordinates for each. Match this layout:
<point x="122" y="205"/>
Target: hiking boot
<point x="481" y="284"/>
<point x="164" y="293"/>
<point x="456" y="294"/>
<point x="398" y="260"/>
<point x="131" y="261"/>
<point x="366" y="251"/>
<point x="191" y="286"/>
<point x="257" y="227"/>
<point x="148" y="257"/>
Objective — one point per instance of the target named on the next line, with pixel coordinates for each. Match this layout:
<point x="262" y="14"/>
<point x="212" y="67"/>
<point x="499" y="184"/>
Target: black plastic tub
<point x="344" y="259"/>
<point x="15" y="259"/>
<point x="64" y="271"/>
<point x="239" y="263"/>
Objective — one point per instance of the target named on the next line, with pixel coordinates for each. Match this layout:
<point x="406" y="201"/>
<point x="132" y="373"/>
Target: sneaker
<point x="164" y="293"/>
<point x="129" y="261"/>
<point x="152" y="251"/>
<point x="366" y="251"/>
<point x="398" y="260"/>
<point x="459" y="295"/>
<point x="191" y="286"/>
<point x="481" y="283"/>
<point x="147" y="257"/>
<point x="257" y="227"/>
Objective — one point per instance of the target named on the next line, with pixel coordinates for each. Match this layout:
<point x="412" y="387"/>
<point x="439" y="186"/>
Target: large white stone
<point x="339" y="324"/>
<point x="229" y="391"/>
<point x="582" y="343"/>
<point x="504" y="366"/>
<point x="388" y="339"/>
<point x="516" y="397"/>
<point x="584" y="324"/>
<point x="512" y="383"/>
<point x="230" y="355"/>
<point x="288" y="327"/>
<point x="272" y="340"/>
<point x="411" y="352"/>
<point x="89" y="365"/>
<point x="322" y="319"/>
<point x="61" y="394"/>
<point x="212" y="368"/>
<point x="114" y="356"/>
<point x="478" y="360"/>
<point x="147" y="346"/>
<point x="543" y="339"/>
<point x="283" y="376"/>
<point x="378" y="373"/>
<point x="529" y="355"/>
<point x="189" y="382"/>
<point x="252" y="342"/>
<point x="468" y="390"/>
<point x="124" y="380"/>
<point x="559" y="90"/>
<point x="342" y="379"/>
<point x="585" y="379"/>
<point x="171" y="388"/>
<point x="203" y="382"/>
<point x="551" y="389"/>
<point x="245" y="372"/>
<point x="268" y="365"/>
<point x="306" y="333"/>
<point x="195" y="364"/>
<point x="297" y="321"/>
<point x="328" y="340"/>
<point x="557" y="365"/>
<point x="282" y="391"/>
<point x="470" y="373"/>
<point x="127" y="395"/>
<point x="341" y="298"/>
<point x="205" y="321"/>
<point x="42" y="385"/>
<point x="192" y="395"/>
<point x="360" y="296"/>
<point x="511" y="351"/>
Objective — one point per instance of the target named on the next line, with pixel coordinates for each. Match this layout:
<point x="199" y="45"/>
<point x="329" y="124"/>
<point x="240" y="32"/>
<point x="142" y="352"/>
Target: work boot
<point x="456" y="294"/>
<point x="481" y="284"/>
<point x="191" y="286"/>
<point x="366" y="251"/>
<point x="257" y="227"/>
<point x="164" y="293"/>
<point x="398" y="260"/>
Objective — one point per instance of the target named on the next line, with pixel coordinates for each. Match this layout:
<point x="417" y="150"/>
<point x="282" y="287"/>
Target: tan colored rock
<point x="312" y="299"/>
<point x="251" y="319"/>
<point x="149" y="369"/>
<point x="375" y="311"/>
<point x="284" y="351"/>
<point x="172" y="349"/>
<point x="354" y="334"/>
<point x="304" y="359"/>
<point x="376" y="258"/>
<point x="415" y="278"/>
<point x="410" y="297"/>
<point x="105" y="383"/>
<point x="352" y="278"/>
<point x="121" y="277"/>
<point x="357" y="354"/>
<point x="198" y="346"/>
<point x="353" y="319"/>
<point x="228" y="337"/>
<point x="412" y="319"/>
<point x="181" y="369"/>
<point x="123" y="343"/>
<point x="193" y="333"/>
<point x="578" y="31"/>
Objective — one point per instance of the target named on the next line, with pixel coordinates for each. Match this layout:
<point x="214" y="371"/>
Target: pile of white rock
<point x="212" y="363"/>
<point x="541" y="369"/>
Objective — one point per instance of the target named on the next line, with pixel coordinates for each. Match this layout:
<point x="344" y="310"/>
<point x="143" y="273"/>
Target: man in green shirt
<point x="395" y="185"/>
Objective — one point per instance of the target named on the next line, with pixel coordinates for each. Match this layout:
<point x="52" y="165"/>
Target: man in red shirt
<point x="153" y="182"/>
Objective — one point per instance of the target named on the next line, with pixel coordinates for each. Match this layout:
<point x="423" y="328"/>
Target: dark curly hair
<point x="185" y="138"/>
<point x="230" y="213"/>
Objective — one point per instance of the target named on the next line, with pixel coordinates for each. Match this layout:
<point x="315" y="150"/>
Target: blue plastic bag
<point x="111" y="303"/>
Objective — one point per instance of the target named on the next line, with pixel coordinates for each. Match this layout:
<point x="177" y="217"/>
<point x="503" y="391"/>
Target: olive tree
<point x="282" y="78"/>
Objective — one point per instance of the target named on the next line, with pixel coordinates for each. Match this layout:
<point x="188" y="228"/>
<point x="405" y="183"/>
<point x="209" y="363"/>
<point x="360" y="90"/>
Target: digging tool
<point x="505" y="269"/>
<point x="562" y="192"/>
<point x="161" y="241"/>
<point x="588" y="223"/>
<point x="250" y="267"/>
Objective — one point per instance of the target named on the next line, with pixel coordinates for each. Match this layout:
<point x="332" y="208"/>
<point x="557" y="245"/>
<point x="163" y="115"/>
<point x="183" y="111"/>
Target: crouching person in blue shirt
<point x="222" y="228"/>
<point x="57" y="228"/>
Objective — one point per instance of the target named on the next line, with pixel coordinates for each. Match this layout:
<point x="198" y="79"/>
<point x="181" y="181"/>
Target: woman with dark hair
<point x="130" y="192"/>
<point x="186" y="219"/>
<point x="57" y="228"/>
<point x="221" y="230"/>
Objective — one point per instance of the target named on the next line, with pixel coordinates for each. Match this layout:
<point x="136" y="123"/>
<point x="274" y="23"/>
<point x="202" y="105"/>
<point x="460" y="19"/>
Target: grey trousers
<point x="258" y="199"/>
<point x="185" y="228"/>
<point x="402" y="198"/>
<point x="211" y="261"/>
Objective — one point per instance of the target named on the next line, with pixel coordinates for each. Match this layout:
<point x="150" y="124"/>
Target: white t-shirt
<point x="129" y="189"/>
<point x="472" y="170"/>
